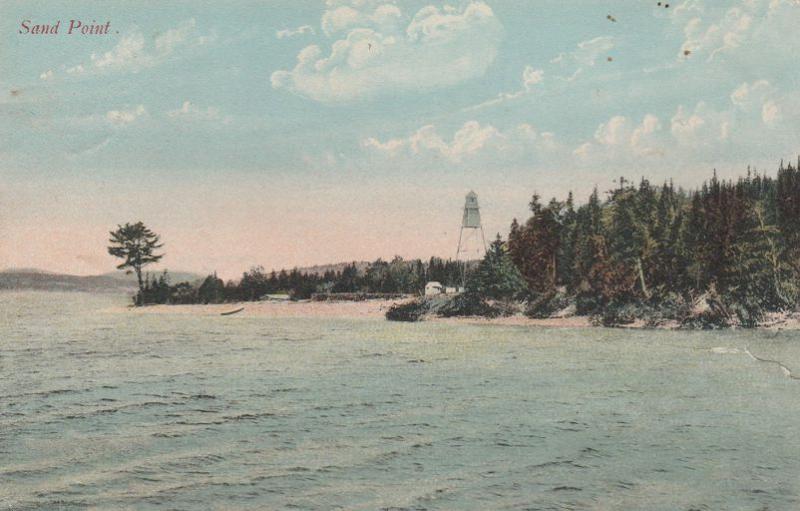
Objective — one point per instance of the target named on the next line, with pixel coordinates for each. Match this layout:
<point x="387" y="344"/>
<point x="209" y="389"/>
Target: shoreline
<point x="364" y="309"/>
<point x="376" y="309"/>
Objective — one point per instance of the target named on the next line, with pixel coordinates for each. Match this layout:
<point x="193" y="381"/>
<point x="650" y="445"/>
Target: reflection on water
<point x="103" y="410"/>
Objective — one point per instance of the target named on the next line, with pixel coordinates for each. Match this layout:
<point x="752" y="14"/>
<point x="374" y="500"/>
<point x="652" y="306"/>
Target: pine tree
<point x="137" y="245"/>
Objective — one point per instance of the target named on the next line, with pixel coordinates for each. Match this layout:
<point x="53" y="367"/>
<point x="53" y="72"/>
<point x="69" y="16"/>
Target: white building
<point x="434" y="288"/>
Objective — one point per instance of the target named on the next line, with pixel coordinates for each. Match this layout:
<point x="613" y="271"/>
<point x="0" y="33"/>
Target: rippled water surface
<point x="109" y="410"/>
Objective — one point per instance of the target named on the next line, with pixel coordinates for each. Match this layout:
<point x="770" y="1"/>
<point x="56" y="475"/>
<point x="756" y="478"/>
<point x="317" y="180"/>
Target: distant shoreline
<point x="376" y="309"/>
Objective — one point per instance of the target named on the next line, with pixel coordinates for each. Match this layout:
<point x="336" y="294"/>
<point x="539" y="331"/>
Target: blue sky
<point x="292" y="133"/>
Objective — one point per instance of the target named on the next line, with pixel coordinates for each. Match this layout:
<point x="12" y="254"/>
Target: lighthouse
<point x="471" y="240"/>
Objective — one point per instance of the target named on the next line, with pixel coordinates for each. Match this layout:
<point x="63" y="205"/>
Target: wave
<point x="724" y="350"/>
<point x="786" y="371"/>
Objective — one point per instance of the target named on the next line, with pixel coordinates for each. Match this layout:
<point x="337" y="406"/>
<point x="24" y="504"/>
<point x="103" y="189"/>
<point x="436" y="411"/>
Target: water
<point x="103" y="410"/>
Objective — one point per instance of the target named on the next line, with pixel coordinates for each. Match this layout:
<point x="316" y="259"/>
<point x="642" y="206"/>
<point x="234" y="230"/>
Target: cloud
<point x="47" y="75"/>
<point x="132" y="54"/>
<point x="468" y="142"/>
<point x="770" y="112"/>
<point x="438" y="48"/>
<point x="128" y="53"/>
<point x="530" y="78"/>
<point x="587" y="53"/>
<point x="756" y="31"/>
<point x="718" y="37"/>
<point x="190" y="112"/>
<point x="622" y="140"/>
<point x="383" y="17"/>
<point x="746" y="93"/>
<point x="303" y="30"/>
<point x="123" y="117"/>
<point x="571" y="65"/>
<point x="701" y="132"/>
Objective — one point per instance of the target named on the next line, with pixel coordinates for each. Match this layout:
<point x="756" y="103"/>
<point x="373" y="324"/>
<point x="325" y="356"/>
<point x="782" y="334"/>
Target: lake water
<point x="103" y="410"/>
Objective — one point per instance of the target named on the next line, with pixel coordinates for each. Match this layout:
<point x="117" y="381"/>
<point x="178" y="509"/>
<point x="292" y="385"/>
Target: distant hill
<point x="39" y="280"/>
<point x="320" y="269"/>
<point x="174" y="276"/>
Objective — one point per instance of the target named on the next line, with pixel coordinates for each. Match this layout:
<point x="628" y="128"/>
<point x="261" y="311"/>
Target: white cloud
<point x="770" y="112"/>
<point x="587" y="53"/>
<point x="192" y="113"/>
<point x="123" y="117"/>
<point x="303" y="30"/>
<point x="132" y="53"/>
<point x="129" y="52"/>
<point x="439" y="48"/>
<point x="572" y="65"/>
<point x="753" y="30"/>
<point x="530" y="78"/>
<point x="621" y="139"/>
<point x="472" y="140"/>
<point x="47" y="75"/>
<point x="701" y="126"/>
<point x="715" y="38"/>
<point x="748" y="92"/>
<point x="383" y="17"/>
<point x="185" y="34"/>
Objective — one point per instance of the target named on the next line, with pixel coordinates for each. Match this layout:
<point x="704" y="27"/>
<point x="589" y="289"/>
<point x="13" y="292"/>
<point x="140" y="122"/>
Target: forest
<point x="724" y="254"/>
<point x="375" y="279"/>
<point x="655" y="251"/>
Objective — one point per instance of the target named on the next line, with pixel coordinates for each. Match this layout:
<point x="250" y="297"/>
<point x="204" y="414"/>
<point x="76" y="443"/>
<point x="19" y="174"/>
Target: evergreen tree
<point x="496" y="276"/>
<point x="137" y="245"/>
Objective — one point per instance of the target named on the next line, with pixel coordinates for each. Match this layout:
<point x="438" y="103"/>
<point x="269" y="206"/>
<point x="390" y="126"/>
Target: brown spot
<point x="610" y="59"/>
<point x="15" y="92"/>
<point x="687" y="52"/>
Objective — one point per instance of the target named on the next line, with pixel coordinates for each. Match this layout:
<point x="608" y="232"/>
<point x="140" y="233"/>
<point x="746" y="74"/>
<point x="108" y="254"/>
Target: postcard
<point x="399" y="255"/>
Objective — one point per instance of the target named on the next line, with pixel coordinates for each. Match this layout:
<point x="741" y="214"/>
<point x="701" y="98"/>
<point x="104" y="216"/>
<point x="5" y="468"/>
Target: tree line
<point x="638" y="251"/>
<point x="734" y="243"/>
<point x="395" y="277"/>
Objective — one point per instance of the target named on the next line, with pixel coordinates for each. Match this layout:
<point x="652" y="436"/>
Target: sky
<point x="291" y="133"/>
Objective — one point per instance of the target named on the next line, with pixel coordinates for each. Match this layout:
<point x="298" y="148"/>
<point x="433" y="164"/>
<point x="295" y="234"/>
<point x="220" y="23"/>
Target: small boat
<point x="228" y="313"/>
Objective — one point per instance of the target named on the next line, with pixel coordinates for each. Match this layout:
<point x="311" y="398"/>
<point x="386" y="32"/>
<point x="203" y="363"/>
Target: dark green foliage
<point x="619" y="314"/>
<point x="154" y="290"/>
<point x="536" y="246"/>
<point x="471" y="304"/>
<point x="496" y="277"/>
<point x="212" y="290"/>
<point x="544" y="305"/>
<point x="414" y="310"/>
<point x="378" y="279"/>
<point x="137" y="245"/>
<point x="645" y="251"/>
<point x="651" y="313"/>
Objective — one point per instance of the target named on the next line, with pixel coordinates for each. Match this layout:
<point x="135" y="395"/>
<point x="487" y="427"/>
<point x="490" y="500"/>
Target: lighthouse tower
<point x="471" y="241"/>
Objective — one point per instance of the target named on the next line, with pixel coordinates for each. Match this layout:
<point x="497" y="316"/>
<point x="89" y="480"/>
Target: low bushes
<point x="545" y="305"/>
<point x="408" y="311"/>
<point x="470" y="304"/>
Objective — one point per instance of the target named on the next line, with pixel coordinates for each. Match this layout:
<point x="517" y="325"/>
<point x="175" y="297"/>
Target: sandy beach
<point x="367" y="309"/>
<point x="376" y="309"/>
<point x="279" y="309"/>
